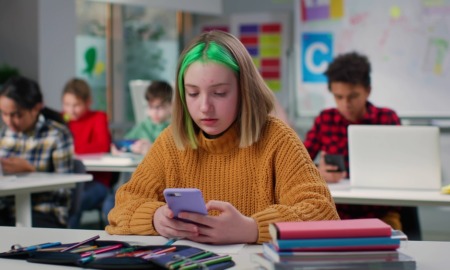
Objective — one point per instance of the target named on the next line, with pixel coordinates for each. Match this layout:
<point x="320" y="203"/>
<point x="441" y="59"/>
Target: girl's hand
<point x="229" y="227"/>
<point x="167" y="226"/>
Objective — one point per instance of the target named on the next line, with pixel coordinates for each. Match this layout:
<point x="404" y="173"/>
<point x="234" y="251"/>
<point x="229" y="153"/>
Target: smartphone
<point x="124" y="145"/>
<point x="336" y="160"/>
<point x="185" y="200"/>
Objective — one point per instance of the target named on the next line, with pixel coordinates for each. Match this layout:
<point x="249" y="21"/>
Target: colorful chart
<point x="312" y="10"/>
<point x="264" y="43"/>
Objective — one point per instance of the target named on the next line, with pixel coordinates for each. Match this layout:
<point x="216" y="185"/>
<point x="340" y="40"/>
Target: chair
<point x="79" y="167"/>
<point x="75" y="207"/>
<point x="137" y="90"/>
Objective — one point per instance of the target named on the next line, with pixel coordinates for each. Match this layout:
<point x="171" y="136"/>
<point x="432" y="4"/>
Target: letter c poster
<point x="317" y="53"/>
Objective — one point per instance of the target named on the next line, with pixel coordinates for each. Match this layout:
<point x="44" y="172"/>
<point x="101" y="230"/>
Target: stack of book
<point x="334" y="244"/>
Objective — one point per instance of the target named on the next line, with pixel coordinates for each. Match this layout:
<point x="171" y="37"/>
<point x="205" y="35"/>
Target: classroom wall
<point x="56" y="47"/>
<point x="38" y="37"/>
<point x="18" y="36"/>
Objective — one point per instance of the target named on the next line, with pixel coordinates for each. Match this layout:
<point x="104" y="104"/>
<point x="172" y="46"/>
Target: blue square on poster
<point x="317" y="53"/>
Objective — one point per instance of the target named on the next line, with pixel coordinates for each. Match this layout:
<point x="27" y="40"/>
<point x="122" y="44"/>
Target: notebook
<point x="394" y="157"/>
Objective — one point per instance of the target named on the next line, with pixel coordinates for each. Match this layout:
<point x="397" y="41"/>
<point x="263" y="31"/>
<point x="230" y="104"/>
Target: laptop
<point x="394" y="157"/>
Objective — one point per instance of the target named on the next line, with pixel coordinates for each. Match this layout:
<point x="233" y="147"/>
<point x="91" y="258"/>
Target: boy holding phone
<point x="159" y="110"/>
<point x="349" y="82"/>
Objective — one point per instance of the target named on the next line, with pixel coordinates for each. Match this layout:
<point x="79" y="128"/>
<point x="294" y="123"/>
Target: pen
<point x="101" y="250"/>
<point x="185" y="260"/>
<point x="171" y="241"/>
<point x="152" y="254"/>
<point x="81" y="243"/>
<point x="106" y="254"/>
<point x="83" y="249"/>
<point x="206" y="262"/>
<point x="41" y="246"/>
<point x="165" y="250"/>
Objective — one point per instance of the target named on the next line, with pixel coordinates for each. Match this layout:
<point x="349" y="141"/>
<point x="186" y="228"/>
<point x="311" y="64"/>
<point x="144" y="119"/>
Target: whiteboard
<point x="406" y="41"/>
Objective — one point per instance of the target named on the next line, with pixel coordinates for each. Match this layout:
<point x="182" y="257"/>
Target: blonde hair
<point x="256" y="100"/>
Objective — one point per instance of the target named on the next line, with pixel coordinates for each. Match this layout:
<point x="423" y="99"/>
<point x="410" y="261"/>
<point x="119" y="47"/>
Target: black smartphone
<point x="336" y="160"/>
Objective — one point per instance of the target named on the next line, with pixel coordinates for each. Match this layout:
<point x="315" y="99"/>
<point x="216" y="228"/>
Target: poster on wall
<point x="406" y="41"/>
<point x="266" y="37"/>
<point x="90" y="64"/>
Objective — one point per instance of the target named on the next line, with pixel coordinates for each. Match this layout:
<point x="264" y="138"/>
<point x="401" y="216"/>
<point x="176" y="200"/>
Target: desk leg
<point x="23" y="210"/>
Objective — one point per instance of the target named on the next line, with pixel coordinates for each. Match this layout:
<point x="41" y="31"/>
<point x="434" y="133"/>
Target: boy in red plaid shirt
<point x="349" y="82"/>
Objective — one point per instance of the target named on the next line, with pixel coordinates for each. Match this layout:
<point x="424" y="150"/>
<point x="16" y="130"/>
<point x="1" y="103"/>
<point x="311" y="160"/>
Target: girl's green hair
<point x="202" y="52"/>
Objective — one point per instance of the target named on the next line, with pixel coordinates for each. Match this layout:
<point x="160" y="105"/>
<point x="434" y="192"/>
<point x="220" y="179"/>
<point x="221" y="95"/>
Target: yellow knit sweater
<point x="272" y="180"/>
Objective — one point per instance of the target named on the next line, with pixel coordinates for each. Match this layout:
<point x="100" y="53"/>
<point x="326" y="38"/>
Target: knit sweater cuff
<point x="263" y="219"/>
<point x="142" y="220"/>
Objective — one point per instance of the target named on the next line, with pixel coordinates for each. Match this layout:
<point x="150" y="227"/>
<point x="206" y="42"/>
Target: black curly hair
<point x="352" y="68"/>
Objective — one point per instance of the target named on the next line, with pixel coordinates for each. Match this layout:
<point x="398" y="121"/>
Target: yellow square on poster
<point x="270" y="39"/>
<point x="274" y="85"/>
<point x="336" y="9"/>
<point x="256" y="61"/>
<point x="271" y="52"/>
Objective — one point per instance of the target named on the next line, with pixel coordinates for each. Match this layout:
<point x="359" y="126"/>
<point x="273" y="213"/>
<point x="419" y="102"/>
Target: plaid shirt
<point x="329" y="134"/>
<point x="49" y="148"/>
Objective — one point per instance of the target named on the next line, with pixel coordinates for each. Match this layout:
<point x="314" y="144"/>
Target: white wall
<point x="56" y="54"/>
<point x="38" y="38"/>
<point x="18" y="36"/>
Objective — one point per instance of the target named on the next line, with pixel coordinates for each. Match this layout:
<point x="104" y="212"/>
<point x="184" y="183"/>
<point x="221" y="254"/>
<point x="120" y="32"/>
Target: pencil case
<point x="101" y="254"/>
<point x="126" y="262"/>
<point x="22" y="255"/>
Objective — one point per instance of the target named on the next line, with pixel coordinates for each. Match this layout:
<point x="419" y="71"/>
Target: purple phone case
<point x="185" y="200"/>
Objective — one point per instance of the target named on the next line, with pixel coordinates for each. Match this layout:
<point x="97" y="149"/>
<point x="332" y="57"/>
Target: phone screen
<point x="336" y="160"/>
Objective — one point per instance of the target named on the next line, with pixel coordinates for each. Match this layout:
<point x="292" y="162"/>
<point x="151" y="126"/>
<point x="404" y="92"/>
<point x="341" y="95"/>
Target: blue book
<point x="318" y="244"/>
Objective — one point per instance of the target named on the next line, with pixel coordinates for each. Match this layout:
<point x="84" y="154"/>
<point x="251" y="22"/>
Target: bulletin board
<point x="406" y="41"/>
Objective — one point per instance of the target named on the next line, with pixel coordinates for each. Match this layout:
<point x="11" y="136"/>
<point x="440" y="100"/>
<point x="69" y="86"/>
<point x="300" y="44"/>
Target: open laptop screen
<point x="394" y="157"/>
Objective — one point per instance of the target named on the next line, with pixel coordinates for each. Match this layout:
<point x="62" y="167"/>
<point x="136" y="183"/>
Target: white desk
<point x="23" y="185"/>
<point x="343" y="193"/>
<point x="109" y="163"/>
<point x="428" y="255"/>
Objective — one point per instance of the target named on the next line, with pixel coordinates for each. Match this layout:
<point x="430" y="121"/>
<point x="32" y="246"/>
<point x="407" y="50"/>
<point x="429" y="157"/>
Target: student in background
<point x="349" y="82"/>
<point x="251" y="167"/>
<point x="31" y="140"/>
<point x="159" y="110"/>
<point x="91" y="135"/>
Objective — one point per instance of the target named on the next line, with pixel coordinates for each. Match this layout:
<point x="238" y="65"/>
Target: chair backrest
<point x="137" y="90"/>
<point x="78" y="166"/>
